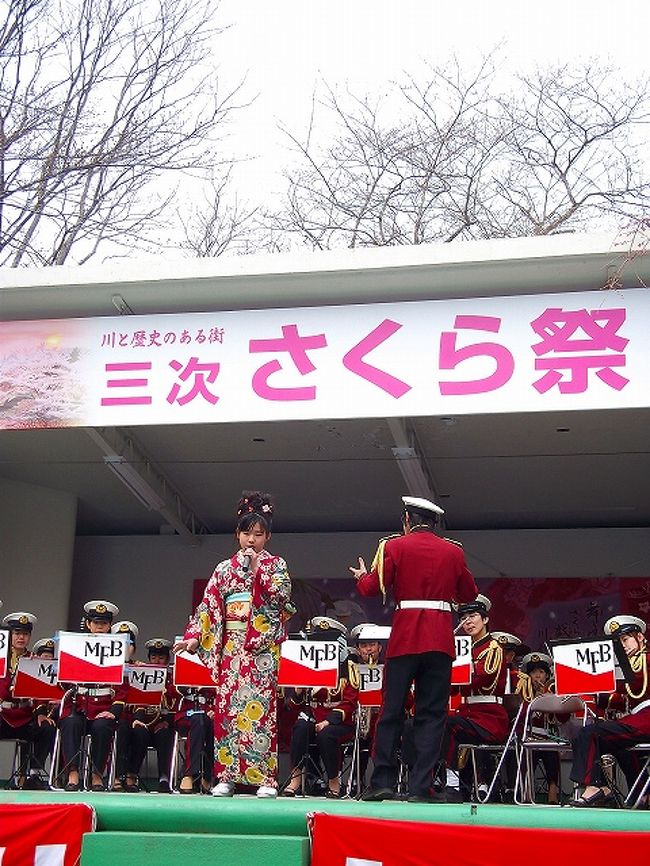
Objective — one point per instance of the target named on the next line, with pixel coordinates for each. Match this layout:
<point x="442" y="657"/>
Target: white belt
<point x="94" y="693"/>
<point x="642" y="706"/>
<point x="483" y="699"/>
<point x="423" y="604"/>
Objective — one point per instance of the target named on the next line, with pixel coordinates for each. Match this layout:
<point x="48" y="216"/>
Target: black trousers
<point x="122" y="748"/>
<point x="74" y="727"/>
<point x="604" y="738"/>
<point x="431" y="673"/>
<point x="199" y="752"/>
<point x="328" y="742"/>
<point x="162" y="740"/>
<point x="41" y="738"/>
<point x="459" y="730"/>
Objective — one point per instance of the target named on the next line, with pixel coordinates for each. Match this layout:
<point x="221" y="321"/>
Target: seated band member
<point x="22" y="719"/>
<point x="153" y="726"/>
<point x="93" y="709"/>
<point x="613" y="737"/>
<point x="368" y="651"/>
<point x="535" y="679"/>
<point x="481" y="717"/>
<point x="510" y="644"/>
<point x="325" y="720"/>
<point x="193" y="710"/>
<point x="124" y="779"/>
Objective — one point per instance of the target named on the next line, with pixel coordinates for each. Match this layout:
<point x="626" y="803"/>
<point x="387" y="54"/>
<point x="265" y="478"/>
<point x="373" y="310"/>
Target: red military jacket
<point x="94" y="699"/>
<point x="420" y="566"/>
<point x="14" y="712"/>
<point x="635" y="696"/>
<point x="489" y="681"/>
<point x="336" y="706"/>
<point x="182" y="700"/>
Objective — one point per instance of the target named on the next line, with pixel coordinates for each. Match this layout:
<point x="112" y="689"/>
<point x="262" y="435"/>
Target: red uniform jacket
<point x="421" y="566"/>
<point x="488" y="679"/>
<point x="635" y="696"/>
<point x="337" y="706"/>
<point x="95" y="699"/>
<point x="181" y="700"/>
<point x="15" y="713"/>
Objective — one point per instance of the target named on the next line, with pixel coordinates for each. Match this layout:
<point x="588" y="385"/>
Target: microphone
<point x="246" y="563"/>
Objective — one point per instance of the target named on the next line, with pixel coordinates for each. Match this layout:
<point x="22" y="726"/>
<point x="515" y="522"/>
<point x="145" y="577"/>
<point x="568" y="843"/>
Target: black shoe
<point x="72" y="786"/>
<point x="598" y="798"/>
<point x="375" y="795"/>
<point x="433" y="797"/>
<point x="453" y="795"/>
<point x="163" y="787"/>
<point x="34" y="783"/>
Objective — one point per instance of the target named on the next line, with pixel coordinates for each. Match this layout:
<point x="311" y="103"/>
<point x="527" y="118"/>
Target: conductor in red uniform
<point x="425" y="574"/>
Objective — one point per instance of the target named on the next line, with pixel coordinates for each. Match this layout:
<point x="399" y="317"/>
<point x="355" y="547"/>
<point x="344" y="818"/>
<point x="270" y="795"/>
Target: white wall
<point x="150" y="577"/>
<point x="37" y="535"/>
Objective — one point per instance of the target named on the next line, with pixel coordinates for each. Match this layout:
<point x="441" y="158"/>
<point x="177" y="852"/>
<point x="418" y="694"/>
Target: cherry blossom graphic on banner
<point x="480" y="355"/>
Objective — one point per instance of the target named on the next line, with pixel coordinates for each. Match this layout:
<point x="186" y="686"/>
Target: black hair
<point x="420" y="518"/>
<point x="254" y="507"/>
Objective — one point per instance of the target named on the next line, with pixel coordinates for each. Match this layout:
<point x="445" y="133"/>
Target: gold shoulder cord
<point x="353" y="673"/>
<point x="492" y="657"/>
<point x="378" y="563"/>
<point x="524" y="687"/>
<point x="339" y="688"/>
<point x="639" y="664"/>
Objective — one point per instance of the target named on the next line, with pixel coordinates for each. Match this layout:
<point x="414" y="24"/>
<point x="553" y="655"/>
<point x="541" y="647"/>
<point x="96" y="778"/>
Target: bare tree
<point x="104" y="105"/>
<point x="559" y="151"/>
<point x="220" y="222"/>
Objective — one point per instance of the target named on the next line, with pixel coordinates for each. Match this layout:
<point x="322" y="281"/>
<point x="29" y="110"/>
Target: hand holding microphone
<point x="249" y="561"/>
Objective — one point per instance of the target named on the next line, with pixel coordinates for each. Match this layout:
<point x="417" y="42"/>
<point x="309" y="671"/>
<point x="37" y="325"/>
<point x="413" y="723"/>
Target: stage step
<point x="161" y="849"/>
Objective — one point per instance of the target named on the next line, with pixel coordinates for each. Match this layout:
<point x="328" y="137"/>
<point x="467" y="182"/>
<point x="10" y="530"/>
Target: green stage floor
<point x="165" y="829"/>
<point x="246" y="815"/>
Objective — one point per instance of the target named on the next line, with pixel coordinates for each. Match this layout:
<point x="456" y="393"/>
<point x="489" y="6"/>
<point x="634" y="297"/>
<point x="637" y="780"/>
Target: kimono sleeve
<point x="206" y="623"/>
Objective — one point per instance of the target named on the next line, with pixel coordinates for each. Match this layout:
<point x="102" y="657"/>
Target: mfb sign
<point x="370" y="681"/>
<point x="309" y="664"/>
<point x="146" y="684"/>
<point x="5" y="644"/>
<point x="91" y="658"/>
<point x="36" y="679"/>
<point x="585" y="668"/>
<point x="461" y="668"/>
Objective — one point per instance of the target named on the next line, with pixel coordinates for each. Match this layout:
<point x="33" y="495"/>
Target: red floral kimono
<point x="239" y="626"/>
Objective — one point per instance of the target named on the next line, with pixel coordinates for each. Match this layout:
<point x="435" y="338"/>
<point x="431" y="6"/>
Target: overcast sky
<point x="286" y="47"/>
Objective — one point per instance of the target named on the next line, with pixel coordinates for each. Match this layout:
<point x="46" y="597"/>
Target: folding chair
<point x="511" y="745"/>
<point x="640" y="788"/>
<point x="352" y="752"/>
<point x="537" y="739"/>
<point x="20" y="761"/>
<point x="58" y="772"/>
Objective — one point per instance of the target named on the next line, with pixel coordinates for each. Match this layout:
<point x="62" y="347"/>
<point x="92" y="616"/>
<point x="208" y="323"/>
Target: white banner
<point x="480" y="355"/>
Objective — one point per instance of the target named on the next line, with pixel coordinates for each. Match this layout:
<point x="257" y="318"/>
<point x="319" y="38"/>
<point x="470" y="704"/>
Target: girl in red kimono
<point x="237" y="629"/>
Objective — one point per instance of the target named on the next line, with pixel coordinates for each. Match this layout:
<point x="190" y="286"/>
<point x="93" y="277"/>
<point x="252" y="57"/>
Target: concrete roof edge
<point x="331" y="261"/>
